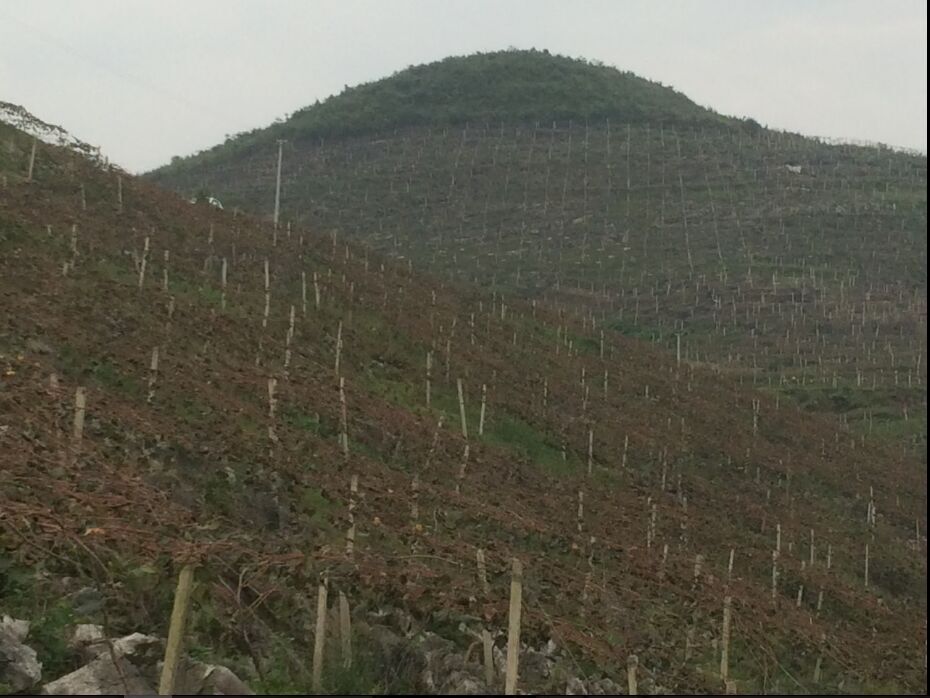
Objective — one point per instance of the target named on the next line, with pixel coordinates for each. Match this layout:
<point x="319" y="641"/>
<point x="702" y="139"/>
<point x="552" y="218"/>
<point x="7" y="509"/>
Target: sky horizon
<point x="146" y="81"/>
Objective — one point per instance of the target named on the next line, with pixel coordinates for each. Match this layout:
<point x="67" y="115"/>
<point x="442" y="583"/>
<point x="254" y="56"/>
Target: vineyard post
<point x="462" y="409"/>
<point x="153" y="375"/>
<point x="866" y="565"/>
<point x="482" y="572"/>
<point x="319" y="638"/>
<point x="725" y="640"/>
<point x="80" y="404"/>
<point x="488" y="658"/>
<point x="632" y="662"/>
<point x="513" y="628"/>
<point x="350" y="533"/>
<point x="32" y="159"/>
<point x="484" y="397"/>
<point x="182" y="598"/>
<point x="345" y="630"/>
<point x="223" y="285"/>
<point x="277" y="188"/>
<point x="145" y="254"/>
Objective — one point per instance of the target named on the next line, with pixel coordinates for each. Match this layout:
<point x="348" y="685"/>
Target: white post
<point x="725" y="641"/>
<point x="277" y="189"/>
<point x="32" y="159"/>
<point x="513" y="630"/>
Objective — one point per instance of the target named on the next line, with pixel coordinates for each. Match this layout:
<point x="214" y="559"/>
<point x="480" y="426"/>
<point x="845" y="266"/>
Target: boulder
<point x="575" y="687"/>
<point x="137" y="668"/>
<point x="604" y="687"/>
<point x="535" y="667"/>
<point x="20" y="667"/>
<point x="197" y="678"/>
<point x="101" y="676"/>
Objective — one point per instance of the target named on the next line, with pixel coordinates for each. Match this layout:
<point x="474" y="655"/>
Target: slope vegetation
<point x="291" y="362"/>
<point x="787" y="262"/>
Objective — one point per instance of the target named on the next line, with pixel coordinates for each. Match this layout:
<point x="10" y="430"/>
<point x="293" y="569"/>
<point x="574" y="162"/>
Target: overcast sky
<point x="148" y="80"/>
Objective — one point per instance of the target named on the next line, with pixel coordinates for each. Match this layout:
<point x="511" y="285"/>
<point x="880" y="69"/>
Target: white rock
<point x="101" y="676"/>
<point x="20" y="667"/>
<point x="88" y="640"/>
<point x="18" y="629"/>
<point x="575" y="687"/>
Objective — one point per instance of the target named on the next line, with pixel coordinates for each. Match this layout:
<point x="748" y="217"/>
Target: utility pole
<point x="277" y="189"/>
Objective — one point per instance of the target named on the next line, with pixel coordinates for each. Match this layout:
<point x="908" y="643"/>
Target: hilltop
<point x="484" y="88"/>
<point x="237" y="379"/>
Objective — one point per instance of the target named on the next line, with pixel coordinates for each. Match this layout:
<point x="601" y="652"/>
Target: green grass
<point x="522" y="438"/>
<point x="75" y="365"/>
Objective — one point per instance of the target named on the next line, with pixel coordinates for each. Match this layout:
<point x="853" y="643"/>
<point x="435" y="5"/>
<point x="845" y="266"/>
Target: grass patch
<point x="514" y="434"/>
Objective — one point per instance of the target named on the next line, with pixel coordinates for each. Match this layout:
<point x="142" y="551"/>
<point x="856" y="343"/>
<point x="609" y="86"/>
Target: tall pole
<point x="277" y="189"/>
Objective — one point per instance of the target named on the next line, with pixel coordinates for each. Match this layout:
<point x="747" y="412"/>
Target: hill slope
<point x="785" y="261"/>
<point x="602" y="463"/>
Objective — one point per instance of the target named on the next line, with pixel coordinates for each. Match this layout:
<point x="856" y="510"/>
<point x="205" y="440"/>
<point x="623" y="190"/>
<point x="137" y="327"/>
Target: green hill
<point x="504" y="86"/>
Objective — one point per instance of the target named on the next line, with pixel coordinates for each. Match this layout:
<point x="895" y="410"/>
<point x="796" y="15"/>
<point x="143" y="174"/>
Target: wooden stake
<point x="590" y="451"/>
<point x="513" y="628"/>
<point x="80" y="404"/>
<point x="774" y="574"/>
<point x="319" y="639"/>
<point x="429" y="376"/>
<point x="819" y="665"/>
<point x="484" y="397"/>
<point x="463" y="468"/>
<point x="179" y="612"/>
<point x="488" y="658"/>
<point x="462" y="409"/>
<point x="287" y="342"/>
<point x="145" y="254"/>
<point x="223" y="286"/>
<point x="32" y="159"/>
<point x="272" y="403"/>
<point x="631" y="663"/>
<point x="343" y="421"/>
<point x="350" y="533"/>
<point x="482" y="572"/>
<point x="153" y="375"/>
<point x="579" y="517"/>
<point x="415" y="500"/>
<point x="267" y="310"/>
<point x="725" y="640"/>
<point x="303" y="292"/>
<point x="866" y="565"/>
<point x="338" y="346"/>
<point x="345" y="630"/>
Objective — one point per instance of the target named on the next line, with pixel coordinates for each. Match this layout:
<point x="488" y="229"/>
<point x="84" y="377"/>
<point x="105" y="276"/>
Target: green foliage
<point x="521" y="437"/>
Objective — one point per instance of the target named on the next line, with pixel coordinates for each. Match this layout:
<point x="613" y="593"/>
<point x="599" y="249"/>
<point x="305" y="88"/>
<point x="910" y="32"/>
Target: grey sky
<point x="148" y="80"/>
